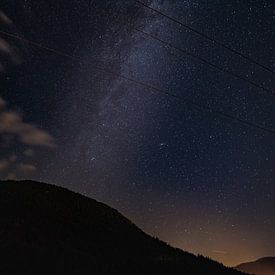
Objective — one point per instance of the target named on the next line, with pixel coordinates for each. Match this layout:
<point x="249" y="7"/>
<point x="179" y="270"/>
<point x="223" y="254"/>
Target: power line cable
<point x="206" y="37"/>
<point x="148" y="86"/>
<point x="206" y="61"/>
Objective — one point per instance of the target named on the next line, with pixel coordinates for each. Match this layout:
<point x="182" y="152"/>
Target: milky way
<point x="199" y="181"/>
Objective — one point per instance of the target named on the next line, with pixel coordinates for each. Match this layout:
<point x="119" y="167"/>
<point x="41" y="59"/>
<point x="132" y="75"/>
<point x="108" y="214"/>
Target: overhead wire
<point x="213" y="40"/>
<point x="143" y="84"/>
<point x="202" y="60"/>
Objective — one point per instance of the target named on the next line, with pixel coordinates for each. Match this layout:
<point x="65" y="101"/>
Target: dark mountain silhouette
<point x="45" y="229"/>
<point x="263" y="266"/>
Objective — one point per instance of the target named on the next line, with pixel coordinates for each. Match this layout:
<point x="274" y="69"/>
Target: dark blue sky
<point x="201" y="182"/>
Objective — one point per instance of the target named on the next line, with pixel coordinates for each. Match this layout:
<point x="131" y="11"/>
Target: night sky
<point x="200" y="181"/>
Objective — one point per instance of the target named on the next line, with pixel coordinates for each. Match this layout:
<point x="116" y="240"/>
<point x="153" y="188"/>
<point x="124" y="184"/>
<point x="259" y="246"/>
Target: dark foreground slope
<point x="263" y="266"/>
<point x="45" y="229"/>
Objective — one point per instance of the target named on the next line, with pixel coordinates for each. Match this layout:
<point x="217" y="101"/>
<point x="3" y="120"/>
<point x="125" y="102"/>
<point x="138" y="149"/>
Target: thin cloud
<point x="8" y="49"/>
<point x="11" y="176"/>
<point x="4" y="164"/>
<point x="2" y="103"/>
<point x="4" y="18"/>
<point x="12" y="123"/>
<point x="26" y="168"/>
<point x="28" y="153"/>
<point x="12" y="158"/>
<point x="5" y="47"/>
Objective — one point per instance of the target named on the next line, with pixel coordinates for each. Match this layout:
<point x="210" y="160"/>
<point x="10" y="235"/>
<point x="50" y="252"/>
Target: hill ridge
<point x="47" y="228"/>
<point x="261" y="266"/>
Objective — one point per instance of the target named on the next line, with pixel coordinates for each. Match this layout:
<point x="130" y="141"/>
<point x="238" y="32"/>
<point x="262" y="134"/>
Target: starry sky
<point x="200" y="181"/>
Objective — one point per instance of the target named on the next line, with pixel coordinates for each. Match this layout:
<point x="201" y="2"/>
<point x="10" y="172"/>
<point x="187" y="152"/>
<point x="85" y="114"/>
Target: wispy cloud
<point x="11" y="169"/>
<point x="12" y="123"/>
<point x="8" y="49"/>
<point x="5" y="19"/>
<point x="26" y="168"/>
<point x="13" y="128"/>
<point x="4" y="164"/>
<point x="2" y="103"/>
<point x="28" y="153"/>
<point x="11" y="176"/>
